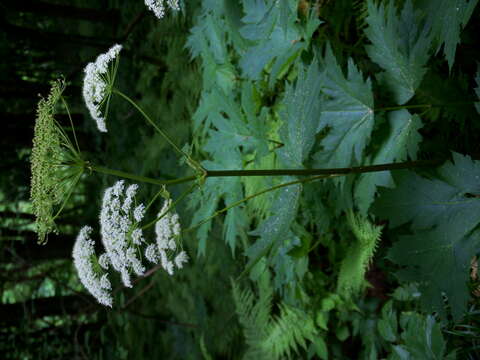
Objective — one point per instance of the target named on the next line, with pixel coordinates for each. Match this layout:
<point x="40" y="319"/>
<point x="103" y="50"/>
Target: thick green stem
<point x="423" y="106"/>
<point x="125" y="175"/>
<point x="337" y="171"/>
<point x="268" y="172"/>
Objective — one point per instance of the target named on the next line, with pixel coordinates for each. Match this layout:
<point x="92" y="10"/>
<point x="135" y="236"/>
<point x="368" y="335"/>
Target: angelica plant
<point x="57" y="165"/>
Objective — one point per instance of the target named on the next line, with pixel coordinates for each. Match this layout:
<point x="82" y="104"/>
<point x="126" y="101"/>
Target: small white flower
<point x="163" y="258"/>
<point x="104" y="261"/>
<point x="151" y="253"/>
<point x="126" y="278"/>
<point x="172" y="245"/>
<point x="180" y="259"/>
<point x="168" y="230"/>
<point x="105" y="283"/>
<point x="97" y="85"/>
<point x="137" y="266"/>
<point x="169" y="268"/>
<point x="83" y="258"/>
<point x="129" y="195"/>
<point x="139" y="212"/>
<point x="117" y="188"/>
<point x="137" y="236"/>
<point x="159" y="9"/>
<point x="167" y="227"/>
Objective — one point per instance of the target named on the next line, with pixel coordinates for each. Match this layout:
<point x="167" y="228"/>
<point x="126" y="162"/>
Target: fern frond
<point x="361" y="12"/>
<point x="288" y="331"/>
<point x="358" y="257"/>
<point x="267" y="336"/>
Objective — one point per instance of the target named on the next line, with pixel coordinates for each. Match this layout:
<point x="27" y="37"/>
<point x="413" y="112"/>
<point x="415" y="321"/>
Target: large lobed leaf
<point x="400" y="45"/>
<point x="444" y="213"/>
<point x="348" y="113"/>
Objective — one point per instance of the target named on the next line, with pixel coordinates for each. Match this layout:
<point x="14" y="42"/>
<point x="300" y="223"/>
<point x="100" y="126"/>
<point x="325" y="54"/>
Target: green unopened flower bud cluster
<point x="52" y="154"/>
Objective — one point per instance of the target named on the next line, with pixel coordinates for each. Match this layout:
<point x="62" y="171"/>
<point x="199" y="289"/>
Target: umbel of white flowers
<point x="168" y="231"/>
<point x="120" y="231"/>
<point x="91" y="276"/>
<point x="159" y="9"/>
<point x="122" y="238"/>
<point x="97" y="85"/>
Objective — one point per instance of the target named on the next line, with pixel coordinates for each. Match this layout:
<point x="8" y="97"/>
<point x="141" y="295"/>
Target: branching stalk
<point x="196" y="166"/>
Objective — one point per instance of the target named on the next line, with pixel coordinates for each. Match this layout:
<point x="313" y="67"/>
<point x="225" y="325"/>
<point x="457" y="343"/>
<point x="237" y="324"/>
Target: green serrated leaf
<point x="347" y="111"/>
<point x="321" y="348"/>
<point x="400" y="45"/>
<point x="443" y="213"/>
<point x="274" y="230"/>
<point x="423" y="338"/>
<point x="264" y="26"/>
<point x="401" y="143"/>
<point x="435" y="202"/>
<point x="300" y="116"/>
<point x="438" y="91"/>
<point x="447" y="18"/>
<point x="206" y="201"/>
<point x="322" y="320"/>
<point x="387" y="325"/>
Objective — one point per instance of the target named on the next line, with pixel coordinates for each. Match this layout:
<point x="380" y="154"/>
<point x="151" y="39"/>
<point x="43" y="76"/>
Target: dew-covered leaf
<point x="347" y="112"/>
<point x="400" y="45"/>
<point x="448" y="18"/>
<point x="300" y="116"/>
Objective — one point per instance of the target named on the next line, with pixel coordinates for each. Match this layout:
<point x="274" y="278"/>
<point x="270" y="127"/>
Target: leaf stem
<point x="189" y="160"/>
<point x="144" y="179"/>
<point x="174" y="203"/>
<point x="423" y="106"/>
<point x="245" y="199"/>
<point x="335" y="171"/>
<point x="267" y="172"/>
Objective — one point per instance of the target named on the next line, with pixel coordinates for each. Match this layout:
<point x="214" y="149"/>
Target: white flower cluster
<point x="122" y="237"/>
<point x="167" y="230"/>
<point x="159" y="9"/>
<point x="95" y="85"/>
<point x="119" y="230"/>
<point x="84" y="260"/>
